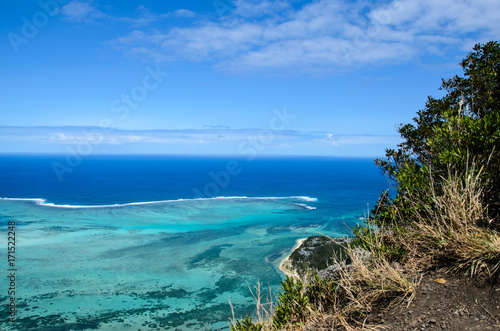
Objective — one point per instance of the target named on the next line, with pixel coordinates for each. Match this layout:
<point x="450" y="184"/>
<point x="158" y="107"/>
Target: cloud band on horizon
<point x="190" y="141"/>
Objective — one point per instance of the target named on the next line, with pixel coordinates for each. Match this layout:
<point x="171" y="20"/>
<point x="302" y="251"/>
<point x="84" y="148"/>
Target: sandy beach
<point x="286" y="264"/>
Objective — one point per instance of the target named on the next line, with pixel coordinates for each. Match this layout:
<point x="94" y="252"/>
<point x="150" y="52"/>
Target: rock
<point x="333" y="272"/>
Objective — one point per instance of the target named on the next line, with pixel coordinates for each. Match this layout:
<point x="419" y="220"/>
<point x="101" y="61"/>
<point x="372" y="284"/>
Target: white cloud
<point x="184" y="13"/>
<point x="96" y="135"/>
<point x="81" y="11"/>
<point x="245" y="8"/>
<point x="146" y="17"/>
<point x="323" y="34"/>
<point x="205" y="141"/>
<point x="85" y="11"/>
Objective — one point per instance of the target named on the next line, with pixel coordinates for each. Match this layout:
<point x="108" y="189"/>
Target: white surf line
<point x="42" y="202"/>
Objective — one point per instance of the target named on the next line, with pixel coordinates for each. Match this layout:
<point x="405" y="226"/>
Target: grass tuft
<point x="454" y="228"/>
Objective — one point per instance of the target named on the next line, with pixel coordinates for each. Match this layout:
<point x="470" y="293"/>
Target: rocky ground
<point x="458" y="303"/>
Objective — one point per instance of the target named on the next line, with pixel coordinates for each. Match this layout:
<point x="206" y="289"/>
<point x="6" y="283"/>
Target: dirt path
<point x="457" y="304"/>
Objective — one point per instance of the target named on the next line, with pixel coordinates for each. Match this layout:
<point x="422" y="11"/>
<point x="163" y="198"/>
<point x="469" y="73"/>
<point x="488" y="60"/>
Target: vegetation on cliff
<point x="317" y="253"/>
<point x="445" y="213"/>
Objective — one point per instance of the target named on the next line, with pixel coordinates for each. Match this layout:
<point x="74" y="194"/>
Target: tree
<point x="450" y="134"/>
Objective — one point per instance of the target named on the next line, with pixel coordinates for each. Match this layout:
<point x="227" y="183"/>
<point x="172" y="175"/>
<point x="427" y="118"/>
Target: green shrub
<point x="246" y="325"/>
<point x="321" y="294"/>
<point x="292" y="307"/>
<point x="380" y="241"/>
<point x="449" y="134"/>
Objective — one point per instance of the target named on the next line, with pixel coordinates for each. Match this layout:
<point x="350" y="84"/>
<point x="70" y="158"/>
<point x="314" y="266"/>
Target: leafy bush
<point x="447" y="135"/>
<point x="292" y="307"/>
<point x="447" y="174"/>
<point x="321" y="294"/>
<point x="379" y="239"/>
<point x="246" y="325"/>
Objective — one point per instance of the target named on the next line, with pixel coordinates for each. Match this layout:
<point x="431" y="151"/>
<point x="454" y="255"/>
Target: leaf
<point x="439" y="280"/>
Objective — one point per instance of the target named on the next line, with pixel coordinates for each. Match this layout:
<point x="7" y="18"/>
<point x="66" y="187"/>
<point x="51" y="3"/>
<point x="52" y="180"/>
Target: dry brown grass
<point x="370" y="279"/>
<point x="454" y="228"/>
<point x="264" y="307"/>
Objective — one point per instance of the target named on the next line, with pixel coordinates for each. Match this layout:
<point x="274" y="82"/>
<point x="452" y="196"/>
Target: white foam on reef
<point x="43" y="202"/>
<point x="305" y="206"/>
<point x="305" y="198"/>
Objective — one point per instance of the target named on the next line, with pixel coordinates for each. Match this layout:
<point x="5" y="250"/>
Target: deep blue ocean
<point x="128" y="242"/>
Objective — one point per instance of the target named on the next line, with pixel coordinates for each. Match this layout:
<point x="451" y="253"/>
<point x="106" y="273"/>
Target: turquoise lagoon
<point x="123" y="243"/>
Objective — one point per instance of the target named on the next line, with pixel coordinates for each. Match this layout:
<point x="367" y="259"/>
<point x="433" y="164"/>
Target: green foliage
<point x="316" y="253"/>
<point x="246" y="325"/>
<point x="295" y="302"/>
<point x="321" y="293"/>
<point x="447" y="135"/>
<point x="378" y="241"/>
<point x="292" y="307"/>
<point x="383" y="210"/>
<point x="364" y="237"/>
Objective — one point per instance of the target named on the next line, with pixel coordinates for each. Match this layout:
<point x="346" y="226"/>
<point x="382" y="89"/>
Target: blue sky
<point x="324" y="77"/>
